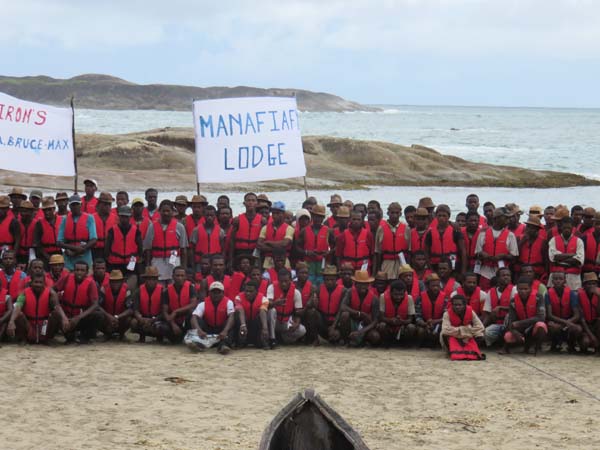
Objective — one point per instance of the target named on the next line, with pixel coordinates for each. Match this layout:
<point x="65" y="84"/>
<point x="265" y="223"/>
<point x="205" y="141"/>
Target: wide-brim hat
<point x="421" y="212"/>
<point x="56" y="259"/>
<point x="26" y="204"/>
<point x="343" y="211"/>
<point x="181" y="200"/>
<point x="48" y="203"/>
<point x="115" y="275"/>
<point x="405" y="268"/>
<point x="330" y="270"/>
<point x="201" y="199"/>
<point x="4" y="201"/>
<point x="589" y="277"/>
<point x="561" y="213"/>
<point x="432" y="277"/>
<point x="335" y="199"/>
<point x="535" y="221"/>
<point x="150" y="272"/>
<point x="513" y="209"/>
<point x="105" y="197"/>
<point x="319" y="210"/>
<point x="62" y="196"/>
<point x="589" y="212"/>
<point x="426" y="202"/>
<point x="262" y="198"/>
<point x="362" y="276"/>
<point x="536" y="209"/>
<point x="17" y="192"/>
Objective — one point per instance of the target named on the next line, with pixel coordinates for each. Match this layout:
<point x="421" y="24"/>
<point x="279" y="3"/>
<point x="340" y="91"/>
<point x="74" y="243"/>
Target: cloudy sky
<point x="432" y="52"/>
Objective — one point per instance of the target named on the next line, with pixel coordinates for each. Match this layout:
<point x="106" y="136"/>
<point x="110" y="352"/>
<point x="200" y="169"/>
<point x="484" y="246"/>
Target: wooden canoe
<point x="308" y="423"/>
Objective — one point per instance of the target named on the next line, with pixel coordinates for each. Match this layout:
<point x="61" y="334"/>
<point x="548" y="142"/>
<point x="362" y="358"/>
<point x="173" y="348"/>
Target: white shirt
<point x="489" y="272"/>
<point x="199" y="311"/>
<point x="297" y="296"/>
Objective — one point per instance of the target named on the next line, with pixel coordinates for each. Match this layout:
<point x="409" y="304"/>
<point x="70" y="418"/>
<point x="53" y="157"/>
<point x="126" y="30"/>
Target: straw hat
<point x="62" y="196"/>
<point x="426" y="202"/>
<point x="421" y="212"/>
<point x="330" y="270"/>
<point x="262" y="198"/>
<point x="362" y="276"/>
<point x="198" y="199"/>
<point x="513" y="209"/>
<point x="150" y="272"/>
<point x="343" y="211"/>
<point x="381" y="276"/>
<point x="590" y="277"/>
<point x="432" y="277"/>
<point x="335" y="199"/>
<point x="115" y="275"/>
<point x="561" y="213"/>
<point x="4" y="201"/>
<point x="535" y="221"/>
<point x="26" y="205"/>
<point x="105" y="197"/>
<point x="405" y="268"/>
<point x="48" y="203"/>
<point x="181" y="200"/>
<point x="56" y="259"/>
<point x="17" y="192"/>
<point x="319" y="210"/>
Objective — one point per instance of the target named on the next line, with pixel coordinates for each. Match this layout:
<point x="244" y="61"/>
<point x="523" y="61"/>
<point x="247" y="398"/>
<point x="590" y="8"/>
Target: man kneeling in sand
<point x="212" y="321"/>
<point x="462" y="331"/>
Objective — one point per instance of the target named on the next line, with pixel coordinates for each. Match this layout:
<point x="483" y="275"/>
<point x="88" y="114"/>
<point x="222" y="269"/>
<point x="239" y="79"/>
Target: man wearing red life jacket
<point x="147" y="307"/>
<point x="79" y="301"/>
<point x="314" y="243"/>
<point x="37" y="315"/>
<point x="359" y="312"/>
<point x="27" y="225"/>
<point x="45" y="231"/>
<point x="443" y="240"/>
<point x="409" y="277"/>
<point x="513" y="223"/>
<point x="104" y="222"/>
<point x="151" y="211"/>
<point x="591" y="244"/>
<point x="62" y="203"/>
<point x="496" y="248"/>
<point x="495" y="308"/>
<point x="552" y="218"/>
<point x="198" y="204"/>
<point x="275" y="234"/>
<point x="6" y="308"/>
<point x="35" y="197"/>
<point x="419" y="264"/>
<point x="587" y="222"/>
<point x="179" y="299"/>
<point x="100" y="273"/>
<point x="77" y="234"/>
<point x="247" y="227"/>
<point x="429" y="311"/>
<point x="397" y="315"/>
<point x="472" y="205"/>
<point x="166" y="243"/>
<point x="355" y="245"/>
<point x="306" y="288"/>
<point x="124" y="247"/>
<point x="334" y="204"/>
<point x="462" y="331"/>
<point x="207" y="238"/>
<point x="57" y="269"/>
<point x="116" y="306"/>
<point x="589" y="309"/>
<point x="285" y="310"/>
<point x="214" y="316"/>
<point x="11" y="277"/>
<point x="10" y="231"/>
<point x="419" y="231"/>
<point x="566" y="253"/>
<point x="392" y="243"/>
<point x="562" y="314"/>
<point x="536" y="285"/>
<point x="181" y="204"/>
<point x="533" y="249"/>
<point x="447" y="282"/>
<point x="137" y="217"/>
<point x="89" y="201"/>
<point x="217" y="273"/>
<point x="240" y="276"/>
<point x="224" y="218"/>
<point x="16" y="196"/>
<point x="526" y="319"/>
<point x="251" y="309"/>
<point x="36" y="266"/>
<point x="470" y="235"/>
<point x="474" y="294"/>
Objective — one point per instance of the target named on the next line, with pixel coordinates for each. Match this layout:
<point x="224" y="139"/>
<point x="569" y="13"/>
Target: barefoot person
<point x="497" y="303"/>
<point x="397" y="315"/>
<point x="462" y="331"/>
<point x="285" y="310"/>
<point x="147" y="307"/>
<point x="562" y="314"/>
<point x="359" y="312"/>
<point x="429" y="311"/>
<point x="178" y="301"/>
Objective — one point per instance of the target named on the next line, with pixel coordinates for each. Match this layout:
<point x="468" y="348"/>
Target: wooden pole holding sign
<point x="75" y="180"/>
<point x="305" y="189"/>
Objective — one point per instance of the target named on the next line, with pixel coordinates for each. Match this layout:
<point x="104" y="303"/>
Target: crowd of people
<point x="184" y="270"/>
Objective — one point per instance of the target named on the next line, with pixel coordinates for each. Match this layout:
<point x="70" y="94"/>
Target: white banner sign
<point x="35" y="138"/>
<point x="247" y="139"/>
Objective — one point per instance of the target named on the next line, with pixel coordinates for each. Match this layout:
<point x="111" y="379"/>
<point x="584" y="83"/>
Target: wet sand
<point x="115" y="396"/>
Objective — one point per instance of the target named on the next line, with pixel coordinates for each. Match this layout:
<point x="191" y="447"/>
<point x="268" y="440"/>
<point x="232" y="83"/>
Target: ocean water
<point x="565" y="140"/>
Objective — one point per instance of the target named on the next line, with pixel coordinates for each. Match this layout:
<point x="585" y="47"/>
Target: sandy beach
<point x="115" y="396"/>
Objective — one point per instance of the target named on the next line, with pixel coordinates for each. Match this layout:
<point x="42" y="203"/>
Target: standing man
<point x="26" y="223"/>
<point x="166" y="243"/>
<point x="313" y="244"/>
<point x="566" y="254"/>
<point x="275" y="234"/>
<point x="89" y="200"/>
<point x="151" y="211"/>
<point x="246" y="228"/>
<point x="207" y="238"/>
<point x="16" y="197"/>
<point x="334" y="203"/>
<point x="10" y="231"/>
<point x="45" y="232"/>
<point x="181" y="206"/>
<point x="198" y="203"/>
<point x="472" y="204"/>
<point x="533" y="249"/>
<point x="419" y="231"/>
<point x="392" y="243"/>
<point x="77" y="234"/>
<point x="104" y="222"/>
<point x="137" y="216"/>
<point x="124" y="247"/>
<point x="62" y="201"/>
<point x="35" y="197"/>
<point x="471" y="235"/>
<point x="443" y="240"/>
<point x="355" y="245"/>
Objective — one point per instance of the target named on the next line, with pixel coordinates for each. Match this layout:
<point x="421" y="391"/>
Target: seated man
<point x="562" y="314"/>
<point x="212" y="321"/>
<point x="79" y="301"/>
<point x="251" y="308"/>
<point x="496" y="306"/>
<point x="397" y="315"/>
<point x="589" y="307"/>
<point x="359" y="312"/>
<point x="37" y="314"/>
<point x="147" y="306"/>
<point x="526" y="318"/>
<point x="10" y="275"/>
<point x="116" y="306"/>
<point x="6" y="309"/>
<point x="57" y="269"/>
<point x="462" y="331"/>
<point x="217" y="273"/>
<point x="285" y="309"/>
<point x="409" y="277"/>
<point x="429" y="309"/>
<point x="472" y="292"/>
<point x="178" y="301"/>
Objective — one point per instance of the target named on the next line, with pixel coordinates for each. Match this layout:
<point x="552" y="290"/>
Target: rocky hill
<point x="106" y="92"/>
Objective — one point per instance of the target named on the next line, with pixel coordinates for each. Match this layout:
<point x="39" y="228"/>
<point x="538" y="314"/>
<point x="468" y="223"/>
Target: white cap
<point x="216" y="285"/>
<point x="91" y="180"/>
<point x="303" y="212"/>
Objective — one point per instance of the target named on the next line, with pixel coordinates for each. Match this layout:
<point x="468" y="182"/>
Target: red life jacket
<point x="89" y="206"/>
<point x="191" y="223"/>
<point x="102" y="227"/>
<point x="215" y="317"/>
<point x="415" y="289"/>
<point x="455" y="319"/>
<point x="504" y="300"/>
<point x="36" y="309"/>
<point x="496" y="246"/>
<point x="112" y="305"/>
<point x="591" y="252"/>
<point x="474" y="300"/>
<point x="305" y="292"/>
<point x="50" y="281"/>
<point x="235" y="285"/>
<point x="392" y="310"/>
<point x="553" y="233"/>
<point x="251" y="310"/>
<point x="6" y="237"/>
<point x="561" y="307"/>
<point x="75" y="296"/>
<point x="393" y="242"/>
<point x="247" y="233"/>
<point x="442" y="246"/>
<point x="331" y="222"/>
<point x="49" y="235"/>
<point x="273" y="276"/>
<point x="316" y="242"/>
<point x="417" y="242"/>
<point x="529" y="309"/>
<point x="470" y="244"/>
<point x="26" y="238"/>
<point x="264" y="285"/>
<point x="180" y="300"/>
<point x="123" y="247"/>
<point x="227" y="240"/>
<point x="531" y="253"/>
<point x="142" y="226"/>
<point x="3" y="294"/>
<point x="164" y="242"/>
<point x="151" y="217"/>
<point x="571" y="247"/>
<point x="285" y="311"/>
<point x="356" y="250"/>
<point x="275" y="235"/>
<point x="76" y="233"/>
<point x="150" y="305"/>
<point x="207" y="245"/>
<point x="226" y="284"/>
<point x="432" y="311"/>
<point x="589" y="306"/>
<point x="449" y="287"/>
<point x="363" y="306"/>
<point x="459" y="351"/>
<point x="14" y="285"/>
<point x="329" y="304"/>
